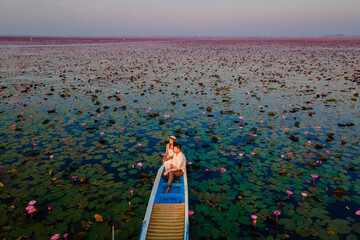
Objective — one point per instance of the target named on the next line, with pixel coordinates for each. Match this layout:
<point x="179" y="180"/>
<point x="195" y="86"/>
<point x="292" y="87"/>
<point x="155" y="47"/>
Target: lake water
<point x="273" y="113"/>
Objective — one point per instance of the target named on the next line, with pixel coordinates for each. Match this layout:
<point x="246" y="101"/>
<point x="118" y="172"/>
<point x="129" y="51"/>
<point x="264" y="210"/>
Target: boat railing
<point x="186" y="223"/>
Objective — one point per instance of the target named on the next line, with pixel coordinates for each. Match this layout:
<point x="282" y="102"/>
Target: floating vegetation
<point x="270" y="128"/>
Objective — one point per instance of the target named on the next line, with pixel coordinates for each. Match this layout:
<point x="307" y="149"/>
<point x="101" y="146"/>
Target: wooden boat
<point x="167" y="214"/>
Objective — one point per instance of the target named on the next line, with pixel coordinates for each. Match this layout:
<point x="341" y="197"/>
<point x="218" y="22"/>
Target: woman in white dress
<point x="169" y="152"/>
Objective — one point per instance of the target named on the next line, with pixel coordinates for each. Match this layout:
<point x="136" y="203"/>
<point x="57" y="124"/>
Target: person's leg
<point x="178" y="173"/>
<point x="171" y="178"/>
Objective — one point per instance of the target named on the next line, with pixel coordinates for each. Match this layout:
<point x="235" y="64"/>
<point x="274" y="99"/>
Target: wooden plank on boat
<point x="167" y="221"/>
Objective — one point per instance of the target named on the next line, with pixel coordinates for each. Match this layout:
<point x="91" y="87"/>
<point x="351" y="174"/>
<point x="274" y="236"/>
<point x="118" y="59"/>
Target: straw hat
<point x="172" y="138"/>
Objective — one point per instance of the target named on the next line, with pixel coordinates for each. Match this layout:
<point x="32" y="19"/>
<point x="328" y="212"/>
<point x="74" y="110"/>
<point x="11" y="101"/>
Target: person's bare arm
<point x="171" y="170"/>
<point x="167" y="149"/>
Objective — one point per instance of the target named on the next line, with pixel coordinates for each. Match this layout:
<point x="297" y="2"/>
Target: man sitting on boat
<point x="177" y="166"/>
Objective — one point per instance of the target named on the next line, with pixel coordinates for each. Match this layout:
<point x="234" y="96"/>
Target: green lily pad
<point x="340" y="226"/>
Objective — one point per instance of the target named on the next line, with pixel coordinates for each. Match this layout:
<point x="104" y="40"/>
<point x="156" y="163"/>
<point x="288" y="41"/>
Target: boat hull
<point x="167" y="214"/>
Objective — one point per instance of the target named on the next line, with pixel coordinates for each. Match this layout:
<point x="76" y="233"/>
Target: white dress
<point x="168" y="162"/>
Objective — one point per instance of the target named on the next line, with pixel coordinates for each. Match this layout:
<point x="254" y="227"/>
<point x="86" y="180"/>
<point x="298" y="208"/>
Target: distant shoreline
<point x="34" y="39"/>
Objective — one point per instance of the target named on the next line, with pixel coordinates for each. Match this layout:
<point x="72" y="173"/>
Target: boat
<point x="167" y="215"/>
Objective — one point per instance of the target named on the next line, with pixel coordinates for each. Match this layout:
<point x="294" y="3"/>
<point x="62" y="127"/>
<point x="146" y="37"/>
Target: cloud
<point x="197" y="17"/>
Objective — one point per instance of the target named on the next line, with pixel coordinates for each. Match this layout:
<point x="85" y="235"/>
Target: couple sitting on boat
<point x="175" y="162"/>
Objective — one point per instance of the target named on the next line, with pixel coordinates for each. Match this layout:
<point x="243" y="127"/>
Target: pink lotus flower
<point x="74" y="177"/>
<point x="254" y="217"/>
<point x="277" y="213"/>
<point x="252" y="154"/>
<point x="49" y="208"/>
<point x="189" y="163"/>
<point x="139" y="144"/>
<point x="191" y="212"/>
<point x="289" y="192"/>
<point x="314" y="176"/>
<point x="32" y="203"/>
<point x="357" y="212"/>
<point x="327" y="152"/>
<point x="51" y="156"/>
<point x="206" y="169"/>
<point x="304" y="195"/>
<point x="197" y="138"/>
<point x="240" y="154"/>
<point x="139" y="164"/>
<point x="55" y="237"/>
<point x="65" y="235"/>
<point x="84" y="124"/>
<point x="223" y="170"/>
<point x="30" y="209"/>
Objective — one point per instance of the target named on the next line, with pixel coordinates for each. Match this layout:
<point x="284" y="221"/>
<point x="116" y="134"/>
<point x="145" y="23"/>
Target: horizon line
<point x="180" y="36"/>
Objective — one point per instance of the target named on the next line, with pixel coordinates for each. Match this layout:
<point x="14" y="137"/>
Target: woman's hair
<point x="178" y="145"/>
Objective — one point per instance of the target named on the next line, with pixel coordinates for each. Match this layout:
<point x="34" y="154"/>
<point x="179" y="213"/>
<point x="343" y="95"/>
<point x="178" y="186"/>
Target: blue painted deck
<point x="176" y="194"/>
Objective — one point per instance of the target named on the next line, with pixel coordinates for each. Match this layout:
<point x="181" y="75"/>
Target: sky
<point x="180" y="18"/>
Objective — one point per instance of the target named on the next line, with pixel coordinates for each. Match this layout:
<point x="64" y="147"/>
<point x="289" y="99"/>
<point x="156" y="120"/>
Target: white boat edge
<point x="186" y="225"/>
